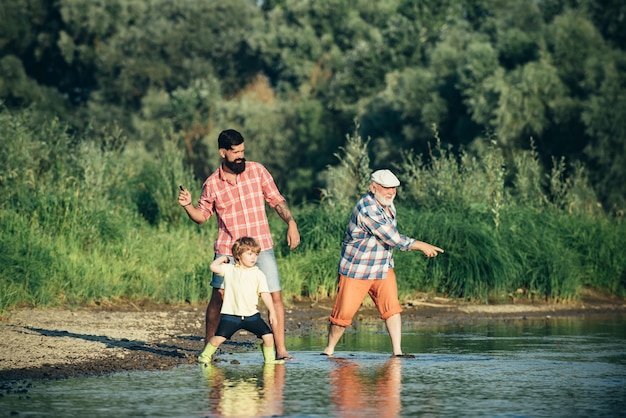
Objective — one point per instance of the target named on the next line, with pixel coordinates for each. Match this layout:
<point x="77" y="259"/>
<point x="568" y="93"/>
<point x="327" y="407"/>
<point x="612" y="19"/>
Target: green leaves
<point x="527" y="95"/>
<point x="295" y="74"/>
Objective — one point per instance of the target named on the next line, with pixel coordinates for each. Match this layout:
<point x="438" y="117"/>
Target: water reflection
<point x="542" y="368"/>
<point x="353" y="386"/>
<point x="246" y="393"/>
<point x="358" y="390"/>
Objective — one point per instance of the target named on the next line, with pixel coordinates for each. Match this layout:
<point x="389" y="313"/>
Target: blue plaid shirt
<point x="371" y="236"/>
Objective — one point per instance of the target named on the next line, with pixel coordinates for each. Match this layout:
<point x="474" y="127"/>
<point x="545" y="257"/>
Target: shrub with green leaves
<point x="98" y="219"/>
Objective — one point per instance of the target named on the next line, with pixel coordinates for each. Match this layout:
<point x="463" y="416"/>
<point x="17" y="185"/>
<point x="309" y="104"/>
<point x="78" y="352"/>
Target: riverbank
<point x="112" y="337"/>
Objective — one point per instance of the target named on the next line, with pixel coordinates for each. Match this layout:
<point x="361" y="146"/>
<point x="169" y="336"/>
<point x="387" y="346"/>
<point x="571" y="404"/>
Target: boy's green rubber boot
<point x="270" y="356"/>
<point x="207" y="354"/>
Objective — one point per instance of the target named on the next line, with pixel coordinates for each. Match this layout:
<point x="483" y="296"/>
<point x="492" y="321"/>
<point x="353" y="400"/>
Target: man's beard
<point x="237" y="166"/>
<point x="382" y="199"/>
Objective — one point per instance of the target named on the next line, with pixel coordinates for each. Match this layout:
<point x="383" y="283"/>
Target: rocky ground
<point x="105" y="338"/>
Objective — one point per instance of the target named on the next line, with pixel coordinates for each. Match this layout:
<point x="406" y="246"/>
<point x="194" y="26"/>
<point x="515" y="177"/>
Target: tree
<point x="346" y="182"/>
<point x="603" y="115"/>
<point x="527" y="97"/>
<point x="32" y="69"/>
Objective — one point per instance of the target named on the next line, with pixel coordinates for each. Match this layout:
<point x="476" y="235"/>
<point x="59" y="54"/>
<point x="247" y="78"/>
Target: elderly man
<point x="366" y="263"/>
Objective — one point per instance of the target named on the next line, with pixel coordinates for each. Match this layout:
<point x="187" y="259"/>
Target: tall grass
<point x="75" y="226"/>
<point x="94" y="219"/>
<point x="311" y="269"/>
<point x="349" y="179"/>
<point x="510" y="229"/>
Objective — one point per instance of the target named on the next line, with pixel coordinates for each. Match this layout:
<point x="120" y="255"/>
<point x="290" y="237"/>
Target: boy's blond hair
<point x="244" y="244"/>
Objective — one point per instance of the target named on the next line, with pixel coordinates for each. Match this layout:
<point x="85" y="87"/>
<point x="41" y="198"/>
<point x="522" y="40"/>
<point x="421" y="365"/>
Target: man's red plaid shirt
<point x="240" y="207"/>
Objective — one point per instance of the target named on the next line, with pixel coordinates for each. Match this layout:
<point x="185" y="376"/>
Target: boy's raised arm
<point x="217" y="266"/>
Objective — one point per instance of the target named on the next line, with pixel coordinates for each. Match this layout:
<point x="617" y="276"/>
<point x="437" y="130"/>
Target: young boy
<point x="243" y="283"/>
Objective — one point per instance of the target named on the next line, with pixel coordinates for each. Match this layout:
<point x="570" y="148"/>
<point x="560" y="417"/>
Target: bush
<point x="95" y="220"/>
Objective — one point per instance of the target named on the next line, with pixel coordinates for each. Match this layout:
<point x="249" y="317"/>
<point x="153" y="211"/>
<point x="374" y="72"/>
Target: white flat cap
<point x="385" y="178"/>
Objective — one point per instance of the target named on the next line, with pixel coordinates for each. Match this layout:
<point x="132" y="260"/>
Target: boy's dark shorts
<point x="229" y="324"/>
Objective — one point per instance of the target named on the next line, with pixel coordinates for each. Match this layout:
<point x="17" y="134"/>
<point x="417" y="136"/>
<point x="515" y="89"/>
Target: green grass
<point x="85" y="222"/>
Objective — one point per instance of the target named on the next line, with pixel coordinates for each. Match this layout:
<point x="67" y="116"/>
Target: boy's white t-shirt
<point x="242" y="287"/>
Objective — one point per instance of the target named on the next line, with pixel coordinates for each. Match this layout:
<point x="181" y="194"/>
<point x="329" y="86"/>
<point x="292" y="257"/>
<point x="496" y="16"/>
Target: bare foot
<point x="284" y="356"/>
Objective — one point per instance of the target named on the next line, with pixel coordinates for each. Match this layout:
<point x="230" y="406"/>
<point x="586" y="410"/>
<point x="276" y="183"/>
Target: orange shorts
<point x="351" y="293"/>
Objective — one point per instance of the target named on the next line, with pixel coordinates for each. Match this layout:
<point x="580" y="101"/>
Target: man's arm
<point x="293" y="235"/>
<point x="283" y="211"/>
<point x="184" y="200"/>
<point x="388" y="233"/>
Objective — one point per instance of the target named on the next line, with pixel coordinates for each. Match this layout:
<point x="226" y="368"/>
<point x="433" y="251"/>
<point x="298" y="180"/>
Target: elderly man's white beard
<point x="383" y="199"/>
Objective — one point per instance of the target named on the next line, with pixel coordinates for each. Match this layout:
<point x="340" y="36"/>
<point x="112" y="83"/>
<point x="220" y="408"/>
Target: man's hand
<point x="432" y="251"/>
<point x="293" y="235"/>
<point x="428" y="249"/>
<point x="184" y="197"/>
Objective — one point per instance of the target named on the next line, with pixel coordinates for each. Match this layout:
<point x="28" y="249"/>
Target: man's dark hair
<point x="229" y="138"/>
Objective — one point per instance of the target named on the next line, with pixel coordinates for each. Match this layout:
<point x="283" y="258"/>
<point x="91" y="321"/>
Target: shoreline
<point x="57" y="343"/>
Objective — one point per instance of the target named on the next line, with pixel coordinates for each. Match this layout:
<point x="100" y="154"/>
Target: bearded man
<point x="236" y="193"/>
<point x="366" y="263"/>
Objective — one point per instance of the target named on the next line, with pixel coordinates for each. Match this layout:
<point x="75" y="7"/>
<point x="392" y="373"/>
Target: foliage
<point x="75" y="220"/>
<point x="475" y="182"/>
<point x="602" y="115"/>
<point x="82" y="221"/>
<point x="107" y="106"/>
<point x="294" y="75"/>
<point x="350" y="179"/>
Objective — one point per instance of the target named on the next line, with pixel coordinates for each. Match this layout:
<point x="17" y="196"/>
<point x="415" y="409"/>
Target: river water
<point x="553" y="367"/>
